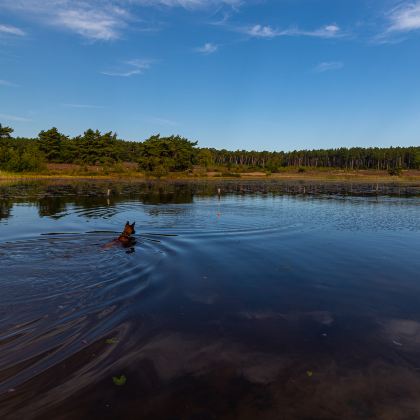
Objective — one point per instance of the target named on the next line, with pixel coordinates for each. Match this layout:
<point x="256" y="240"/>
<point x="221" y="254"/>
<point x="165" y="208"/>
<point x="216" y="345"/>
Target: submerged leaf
<point x="119" y="380"/>
<point x="112" y="340"/>
<point x="309" y="373"/>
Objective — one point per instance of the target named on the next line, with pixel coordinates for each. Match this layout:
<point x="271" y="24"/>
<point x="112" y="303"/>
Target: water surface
<point x="269" y="301"/>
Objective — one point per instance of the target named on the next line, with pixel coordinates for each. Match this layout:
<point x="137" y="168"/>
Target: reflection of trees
<point x="169" y="194"/>
<point x="51" y="206"/>
<point x="92" y="202"/>
<point x="5" y="209"/>
<point x="53" y="197"/>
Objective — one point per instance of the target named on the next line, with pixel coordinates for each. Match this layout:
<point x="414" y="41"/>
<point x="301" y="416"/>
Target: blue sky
<point x="257" y="74"/>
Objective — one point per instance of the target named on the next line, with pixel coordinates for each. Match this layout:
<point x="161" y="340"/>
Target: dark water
<point x="272" y="301"/>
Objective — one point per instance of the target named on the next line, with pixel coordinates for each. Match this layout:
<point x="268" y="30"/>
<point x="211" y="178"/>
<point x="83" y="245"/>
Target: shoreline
<point x="321" y="176"/>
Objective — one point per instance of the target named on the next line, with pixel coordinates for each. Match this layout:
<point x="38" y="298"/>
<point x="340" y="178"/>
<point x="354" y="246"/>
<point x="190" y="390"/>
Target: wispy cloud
<point x="400" y="21"/>
<point x="94" y="20"/>
<point x="84" y="106"/>
<point x="260" y="31"/>
<point x="91" y="23"/>
<point x="207" y="48"/>
<point x="7" y="83"/>
<point x="161" y="121"/>
<point x="14" y="118"/>
<point x="98" y="20"/>
<point x="130" y="68"/>
<point x="328" y="66"/>
<point x="190" y="4"/>
<point x="405" y="17"/>
<point x="328" y="31"/>
<point x="11" y="30"/>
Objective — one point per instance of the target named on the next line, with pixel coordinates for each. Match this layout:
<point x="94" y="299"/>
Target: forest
<point x="159" y="156"/>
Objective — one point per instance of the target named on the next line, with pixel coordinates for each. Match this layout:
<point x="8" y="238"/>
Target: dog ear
<point x="127" y="223"/>
<point x="133" y="224"/>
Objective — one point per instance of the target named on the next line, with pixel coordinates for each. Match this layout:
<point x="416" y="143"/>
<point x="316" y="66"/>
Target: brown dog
<point x="125" y="239"/>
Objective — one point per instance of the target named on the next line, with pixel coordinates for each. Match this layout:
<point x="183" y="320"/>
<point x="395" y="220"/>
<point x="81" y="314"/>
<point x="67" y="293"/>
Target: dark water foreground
<point x="274" y="301"/>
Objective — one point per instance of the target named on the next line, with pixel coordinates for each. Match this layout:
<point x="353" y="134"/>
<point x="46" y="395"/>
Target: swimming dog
<point x="125" y="239"/>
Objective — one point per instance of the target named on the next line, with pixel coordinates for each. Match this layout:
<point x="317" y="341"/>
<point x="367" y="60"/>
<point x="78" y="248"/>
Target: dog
<point x="125" y="239"/>
<point x="125" y="236"/>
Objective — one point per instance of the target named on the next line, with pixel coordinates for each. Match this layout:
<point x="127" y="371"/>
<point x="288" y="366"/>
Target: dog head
<point x="129" y="229"/>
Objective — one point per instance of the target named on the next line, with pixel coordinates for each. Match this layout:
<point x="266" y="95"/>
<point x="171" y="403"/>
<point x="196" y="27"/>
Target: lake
<point x="270" y="300"/>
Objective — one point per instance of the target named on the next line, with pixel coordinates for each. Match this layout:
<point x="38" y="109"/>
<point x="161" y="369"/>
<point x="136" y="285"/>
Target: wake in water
<point x="63" y="292"/>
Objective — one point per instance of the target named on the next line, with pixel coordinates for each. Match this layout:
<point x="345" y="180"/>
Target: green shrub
<point x="28" y="159"/>
<point x="158" y="171"/>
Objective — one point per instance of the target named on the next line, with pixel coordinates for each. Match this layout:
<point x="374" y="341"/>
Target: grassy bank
<point x="128" y="172"/>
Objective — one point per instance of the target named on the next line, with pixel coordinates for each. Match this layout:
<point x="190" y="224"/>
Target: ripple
<point x="67" y="289"/>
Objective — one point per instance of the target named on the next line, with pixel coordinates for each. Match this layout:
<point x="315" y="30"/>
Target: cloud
<point x="94" y="20"/>
<point x="260" y="31"/>
<point x="400" y="21"/>
<point x="190" y="4"/>
<point x="11" y="30"/>
<point x="13" y="118"/>
<point x="85" y="106"/>
<point x="207" y="48"/>
<point x="92" y="24"/>
<point x="161" y="121"/>
<point x="405" y="17"/>
<point x="329" y="66"/>
<point x="328" y="31"/>
<point x="131" y="68"/>
<point x="104" y="20"/>
<point x="7" y="83"/>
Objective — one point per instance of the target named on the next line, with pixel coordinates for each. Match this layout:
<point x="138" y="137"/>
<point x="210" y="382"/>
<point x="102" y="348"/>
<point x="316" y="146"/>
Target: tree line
<point x="160" y="155"/>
